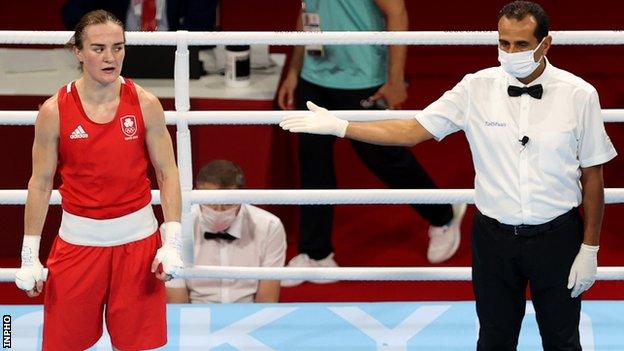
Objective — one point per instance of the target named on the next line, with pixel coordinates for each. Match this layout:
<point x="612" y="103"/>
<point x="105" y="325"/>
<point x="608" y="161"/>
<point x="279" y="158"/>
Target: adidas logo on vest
<point x="79" y="133"/>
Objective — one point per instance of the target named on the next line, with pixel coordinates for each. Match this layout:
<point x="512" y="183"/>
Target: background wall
<point x="431" y="70"/>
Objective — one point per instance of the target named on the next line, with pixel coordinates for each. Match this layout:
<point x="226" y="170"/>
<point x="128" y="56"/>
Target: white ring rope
<point x="182" y="118"/>
<point x="595" y="37"/>
<point x="338" y="273"/>
<point x="265" y="117"/>
<point x="313" y="197"/>
<point x="335" y="196"/>
<point x="352" y="196"/>
<point x="354" y="273"/>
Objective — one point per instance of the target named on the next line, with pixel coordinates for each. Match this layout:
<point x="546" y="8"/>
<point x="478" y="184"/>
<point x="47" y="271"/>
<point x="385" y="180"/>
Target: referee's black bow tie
<point x="534" y="91"/>
<point x="225" y="236"/>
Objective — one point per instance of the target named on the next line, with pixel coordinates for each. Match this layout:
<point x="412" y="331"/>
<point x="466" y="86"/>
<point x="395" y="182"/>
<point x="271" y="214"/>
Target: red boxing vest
<point x="103" y="166"/>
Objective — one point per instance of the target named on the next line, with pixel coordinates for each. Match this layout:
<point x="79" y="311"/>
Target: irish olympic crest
<point x="129" y="126"/>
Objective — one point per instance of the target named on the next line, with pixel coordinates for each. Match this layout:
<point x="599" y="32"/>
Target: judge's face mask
<point x="217" y="221"/>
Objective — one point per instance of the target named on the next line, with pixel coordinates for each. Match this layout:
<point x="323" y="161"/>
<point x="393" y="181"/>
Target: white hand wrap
<point x="321" y="122"/>
<point x="31" y="270"/>
<point x="584" y="269"/>
<point x="169" y="252"/>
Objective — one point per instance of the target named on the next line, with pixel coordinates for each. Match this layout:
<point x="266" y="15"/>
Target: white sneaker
<point x="303" y="260"/>
<point x="444" y="240"/>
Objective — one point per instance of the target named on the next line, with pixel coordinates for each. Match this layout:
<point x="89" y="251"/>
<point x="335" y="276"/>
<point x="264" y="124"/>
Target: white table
<point x="52" y="68"/>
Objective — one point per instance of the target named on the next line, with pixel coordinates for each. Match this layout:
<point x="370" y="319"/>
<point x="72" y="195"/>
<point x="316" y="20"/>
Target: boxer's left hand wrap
<point x="31" y="270"/>
<point x="169" y="252"/>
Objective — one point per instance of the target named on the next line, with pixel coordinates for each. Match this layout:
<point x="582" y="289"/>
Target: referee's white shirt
<point x="529" y="184"/>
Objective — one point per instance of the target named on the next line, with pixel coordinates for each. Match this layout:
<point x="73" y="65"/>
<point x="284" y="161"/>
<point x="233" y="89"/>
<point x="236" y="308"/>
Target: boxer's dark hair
<point x="91" y="18"/>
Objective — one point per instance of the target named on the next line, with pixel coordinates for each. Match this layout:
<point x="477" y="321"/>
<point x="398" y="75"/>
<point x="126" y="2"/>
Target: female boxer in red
<point x="101" y="132"/>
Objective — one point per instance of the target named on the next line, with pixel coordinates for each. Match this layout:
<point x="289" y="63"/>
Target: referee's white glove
<point x="30" y="275"/>
<point x="584" y="269"/>
<point x="321" y="122"/>
<point x="169" y="252"/>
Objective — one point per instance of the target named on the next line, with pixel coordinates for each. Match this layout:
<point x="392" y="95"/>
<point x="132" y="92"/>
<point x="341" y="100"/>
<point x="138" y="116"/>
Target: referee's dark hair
<point x="520" y="9"/>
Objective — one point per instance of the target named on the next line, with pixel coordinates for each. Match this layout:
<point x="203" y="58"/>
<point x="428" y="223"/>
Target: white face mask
<point x="519" y="64"/>
<point x="217" y="221"/>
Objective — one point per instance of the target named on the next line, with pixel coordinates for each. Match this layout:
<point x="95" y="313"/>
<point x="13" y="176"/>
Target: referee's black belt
<point x="529" y="230"/>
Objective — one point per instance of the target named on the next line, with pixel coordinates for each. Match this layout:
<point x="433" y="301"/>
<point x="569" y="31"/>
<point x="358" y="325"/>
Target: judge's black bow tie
<point x="225" y="236"/>
<point x="534" y="91"/>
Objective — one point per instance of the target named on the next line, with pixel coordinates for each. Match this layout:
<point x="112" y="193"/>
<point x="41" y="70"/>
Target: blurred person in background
<point x="148" y="15"/>
<point x="355" y="77"/>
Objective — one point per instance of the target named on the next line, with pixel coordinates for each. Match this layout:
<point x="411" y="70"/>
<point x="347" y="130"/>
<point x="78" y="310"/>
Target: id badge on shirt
<point x="312" y="23"/>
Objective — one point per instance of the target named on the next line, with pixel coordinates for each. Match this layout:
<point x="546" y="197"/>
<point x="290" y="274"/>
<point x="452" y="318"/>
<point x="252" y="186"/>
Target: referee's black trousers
<point x="502" y="266"/>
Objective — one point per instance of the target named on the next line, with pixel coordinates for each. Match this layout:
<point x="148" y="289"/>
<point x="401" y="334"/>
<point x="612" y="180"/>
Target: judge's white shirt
<point x="539" y="181"/>
<point x="261" y="242"/>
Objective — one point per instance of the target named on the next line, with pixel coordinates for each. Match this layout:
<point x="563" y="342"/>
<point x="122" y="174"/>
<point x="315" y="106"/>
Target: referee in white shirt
<point x="538" y="144"/>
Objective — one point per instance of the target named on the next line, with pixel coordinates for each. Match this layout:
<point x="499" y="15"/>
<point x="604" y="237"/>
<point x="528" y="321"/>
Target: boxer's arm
<point x="44" y="159"/>
<point x="160" y="149"/>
